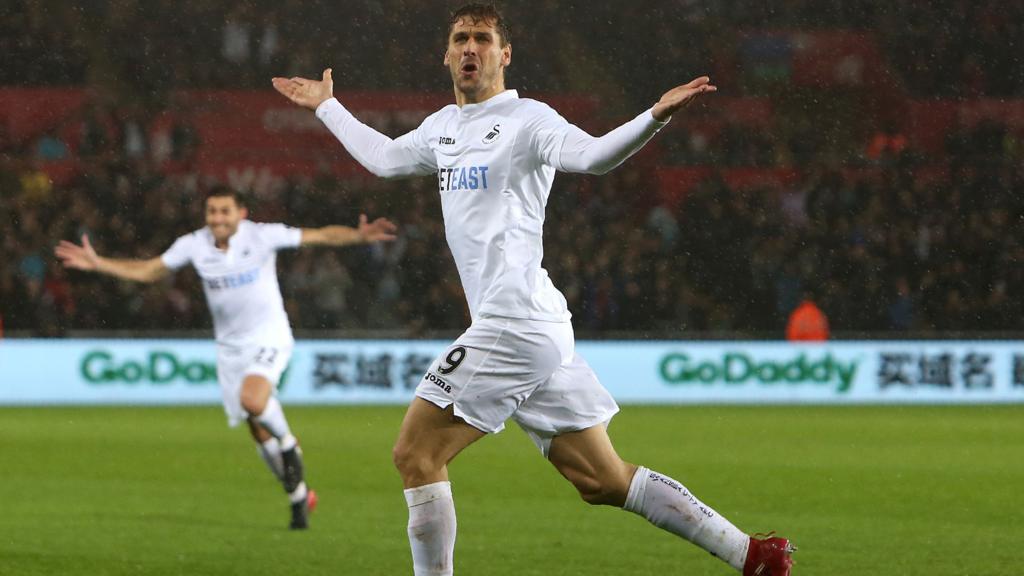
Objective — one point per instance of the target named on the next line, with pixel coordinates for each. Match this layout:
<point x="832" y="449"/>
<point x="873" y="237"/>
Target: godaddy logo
<point x="100" y="367"/>
<point x="736" y="368"/>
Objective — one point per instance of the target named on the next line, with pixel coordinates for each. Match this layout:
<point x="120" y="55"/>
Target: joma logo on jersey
<point x="462" y="178"/>
<point x="446" y="141"/>
<point x="439" y="383"/>
<point x="233" y="280"/>
<point x="493" y="134"/>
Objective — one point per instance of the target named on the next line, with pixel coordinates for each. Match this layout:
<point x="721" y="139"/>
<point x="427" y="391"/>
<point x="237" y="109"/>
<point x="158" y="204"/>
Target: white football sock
<point x="299" y="494"/>
<point x="270" y="450"/>
<point x="289" y="442"/>
<point x="432" y="529"/>
<point x="274" y="421"/>
<point x="669" y="505"/>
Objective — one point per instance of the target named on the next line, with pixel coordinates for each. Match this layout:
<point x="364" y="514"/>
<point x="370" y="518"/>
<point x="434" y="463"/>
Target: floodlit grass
<point x="860" y="490"/>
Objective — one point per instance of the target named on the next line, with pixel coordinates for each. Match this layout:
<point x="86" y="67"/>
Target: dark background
<point x="866" y="154"/>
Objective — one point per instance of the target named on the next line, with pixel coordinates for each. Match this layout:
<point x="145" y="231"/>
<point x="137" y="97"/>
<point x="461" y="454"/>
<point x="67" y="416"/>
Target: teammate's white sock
<point x="432" y="529"/>
<point x="274" y="421"/>
<point x="299" y="494"/>
<point x="270" y="450"/>
<point x="669" y="505"/>
<point x="288" y="442"/>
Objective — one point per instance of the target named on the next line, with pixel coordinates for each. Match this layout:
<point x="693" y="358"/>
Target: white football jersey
<point x="241" y="283"/>
<point x="495" y="162"/>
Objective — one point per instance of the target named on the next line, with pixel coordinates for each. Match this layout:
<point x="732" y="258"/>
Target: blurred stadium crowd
<point x="858" y="228"/>
<point x="940" y="48"/>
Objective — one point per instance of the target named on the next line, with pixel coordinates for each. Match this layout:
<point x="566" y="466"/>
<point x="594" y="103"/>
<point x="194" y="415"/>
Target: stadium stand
<point x="843" y="160"/>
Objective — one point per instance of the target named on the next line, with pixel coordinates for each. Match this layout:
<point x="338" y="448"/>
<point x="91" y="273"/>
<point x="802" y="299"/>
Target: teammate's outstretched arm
<point x="84" y="257"/>
<point x="381" y="155"/>
<point x="380" y="230"/>
<point x="581" y="152"/>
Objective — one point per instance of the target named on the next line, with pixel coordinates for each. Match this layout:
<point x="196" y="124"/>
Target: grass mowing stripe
<point x="862" y="490"/>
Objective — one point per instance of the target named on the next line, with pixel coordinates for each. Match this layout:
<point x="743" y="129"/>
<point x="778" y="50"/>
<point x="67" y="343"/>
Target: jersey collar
<point x="474" y="109"/>
<point x="232" y="241"/>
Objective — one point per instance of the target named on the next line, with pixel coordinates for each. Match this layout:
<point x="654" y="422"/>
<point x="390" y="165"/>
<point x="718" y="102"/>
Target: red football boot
<point x="311" y="500"/>
<point x="768" y="556"/>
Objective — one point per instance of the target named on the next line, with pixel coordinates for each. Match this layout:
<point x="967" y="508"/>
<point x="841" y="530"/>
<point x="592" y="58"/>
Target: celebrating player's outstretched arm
<point x="378" y="153"/>
<point x="84" y="257"/>
<point x="380" y="230"/>
<point x="580" y="152"/>
<point x="680" y="97"/>
<point x="305" y="92"/>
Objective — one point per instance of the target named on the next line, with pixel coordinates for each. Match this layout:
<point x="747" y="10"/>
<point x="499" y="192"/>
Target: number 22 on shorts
<point x="266" y="356"/>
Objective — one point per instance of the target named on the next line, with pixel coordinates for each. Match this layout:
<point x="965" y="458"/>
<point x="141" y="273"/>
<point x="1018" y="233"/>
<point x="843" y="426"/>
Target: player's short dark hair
<point x="221" y="191"/>
<point x="476" y="13"/>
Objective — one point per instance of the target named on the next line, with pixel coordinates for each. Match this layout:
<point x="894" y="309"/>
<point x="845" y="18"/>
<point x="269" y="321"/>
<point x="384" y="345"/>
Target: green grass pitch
<point x="172" y="491"/>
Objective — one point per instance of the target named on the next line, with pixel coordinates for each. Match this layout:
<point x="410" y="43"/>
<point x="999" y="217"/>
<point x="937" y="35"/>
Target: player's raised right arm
<point x="381" y="155"/>
<point x="84" y="257"/>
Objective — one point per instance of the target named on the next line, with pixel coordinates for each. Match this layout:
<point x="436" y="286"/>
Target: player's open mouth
<point x="469" y="68"/>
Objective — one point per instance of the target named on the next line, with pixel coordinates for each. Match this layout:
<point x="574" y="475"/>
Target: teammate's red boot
<point x="311" y="501"/>
<point x="768" y="556"/>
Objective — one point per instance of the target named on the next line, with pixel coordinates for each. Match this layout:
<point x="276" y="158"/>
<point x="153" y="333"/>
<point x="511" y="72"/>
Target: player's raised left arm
<point x="380" y="230"/>
<point x="581" y="152"/>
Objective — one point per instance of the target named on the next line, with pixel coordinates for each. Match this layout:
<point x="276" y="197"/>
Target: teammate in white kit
<point x="236" y="260"/>
<point x="495" y="156"/>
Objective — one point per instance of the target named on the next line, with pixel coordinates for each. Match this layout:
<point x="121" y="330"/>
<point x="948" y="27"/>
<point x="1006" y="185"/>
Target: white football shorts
<point x="234" y="363"/>
<point x="524" y="369"/>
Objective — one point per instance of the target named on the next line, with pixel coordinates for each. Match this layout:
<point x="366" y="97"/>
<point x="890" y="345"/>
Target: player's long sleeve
<point x="582" y="152"/>
<point x="381" y="155"/>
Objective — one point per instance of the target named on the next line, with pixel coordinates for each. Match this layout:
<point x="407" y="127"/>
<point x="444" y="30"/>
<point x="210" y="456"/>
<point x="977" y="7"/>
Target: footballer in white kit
<point x="249" y="322"/>
<point x="235" y="259"/>
<point x="495" y="162"/>
<point x="495" y="155"/>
